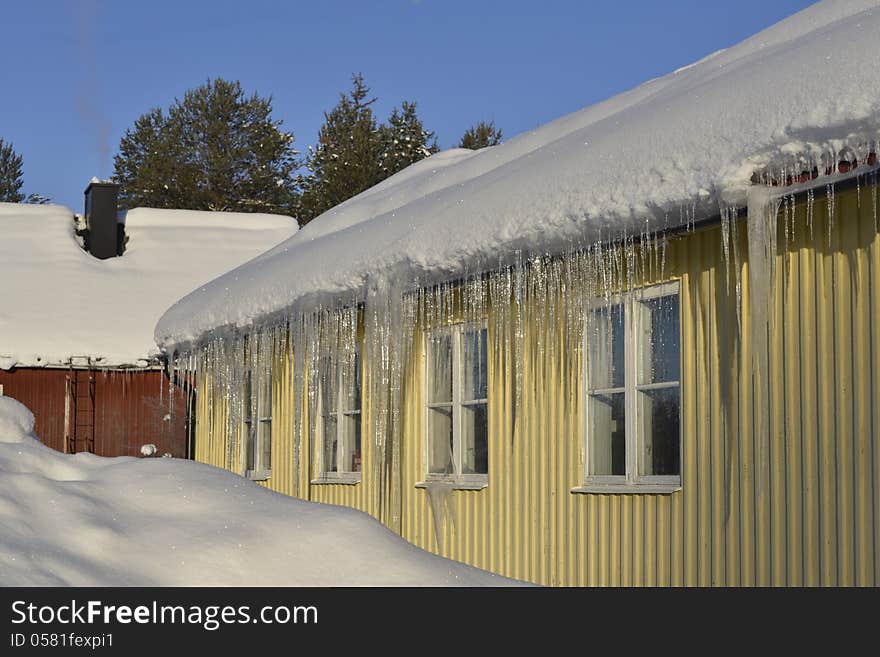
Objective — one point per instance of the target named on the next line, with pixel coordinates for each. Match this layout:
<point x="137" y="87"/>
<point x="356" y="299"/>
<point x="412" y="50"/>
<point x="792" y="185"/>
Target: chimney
<point x="105" y="236"/>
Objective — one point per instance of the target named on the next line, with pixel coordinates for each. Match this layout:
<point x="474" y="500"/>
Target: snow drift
<point x="84" y="520"/>
<point x="674" y="150"/>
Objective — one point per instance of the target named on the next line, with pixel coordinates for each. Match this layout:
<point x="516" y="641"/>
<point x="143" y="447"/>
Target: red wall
<point x="42" y="391"/>
<point x="130" y="409"/>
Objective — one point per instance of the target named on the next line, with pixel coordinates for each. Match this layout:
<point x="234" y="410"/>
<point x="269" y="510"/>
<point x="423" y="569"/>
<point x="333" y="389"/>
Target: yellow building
<point x="690" y="402"/>
<point x="534" y="498"/>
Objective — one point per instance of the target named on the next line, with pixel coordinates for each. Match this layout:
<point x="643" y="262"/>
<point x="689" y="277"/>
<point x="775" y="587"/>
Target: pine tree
<point x="10" y="174"/>
<point x="216" y="149"/>
<point x="354" y="153"/>
<point x="481" y="135"/>
<point x="37" y="199"/>
<point x="346" y="160"/>
<point x="146" y="167"/>
<point x="405" y="140"/>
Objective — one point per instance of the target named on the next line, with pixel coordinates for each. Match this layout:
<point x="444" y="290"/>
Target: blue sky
<point x="77" y="73"/>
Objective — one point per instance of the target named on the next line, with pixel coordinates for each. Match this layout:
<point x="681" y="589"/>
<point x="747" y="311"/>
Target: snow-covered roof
<point x="84" y="520"/>
<point x="670" y="151"/>
<point x="57" y="302"/>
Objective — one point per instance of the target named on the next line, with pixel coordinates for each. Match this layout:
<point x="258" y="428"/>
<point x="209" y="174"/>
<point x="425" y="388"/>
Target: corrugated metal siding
<point x="133" y="409"/>
<point x="42" y="391"/>
<point x="798" y="508"/>
<point x="211" y="443"/>
<point x="129" y="410"/>
<point x="210" y="430"/>
<point x="812" y="519"/>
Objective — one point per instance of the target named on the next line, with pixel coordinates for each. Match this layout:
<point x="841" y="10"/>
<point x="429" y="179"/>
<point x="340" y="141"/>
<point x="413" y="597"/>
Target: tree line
<point x="220" y="149"/>
<point x="12" y="179"/>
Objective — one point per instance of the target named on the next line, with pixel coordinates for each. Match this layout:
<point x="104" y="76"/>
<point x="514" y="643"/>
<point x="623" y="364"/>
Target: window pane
<point x="440" y="372"/>
<point x="606" y="349"/>
<point x="265" y="444"/>
<point x="329" y="384"/>
<point x="329" y="442"/>
<point x="249" y="451"/>
<point x="657" y="321"/>
<point x="474" y="365"/>
<point x="607" y="442"/>
<point x="660" y="422"/>
<point x="350" y="371"/>
<point x="355" y="392"/>
<point x="266" y="394"/>
<point x="475" y="439"/>
<point x="351" y="453"/>
<point x="247" y="397"/>
<point x="440" y="440"/>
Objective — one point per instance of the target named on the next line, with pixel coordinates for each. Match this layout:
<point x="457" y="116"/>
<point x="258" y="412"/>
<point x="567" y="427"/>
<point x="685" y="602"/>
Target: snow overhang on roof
<point x="59" y="306"/>
<point x="678" y="148"/>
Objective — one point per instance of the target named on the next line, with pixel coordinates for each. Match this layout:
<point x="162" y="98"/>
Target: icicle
<point x="390" y="316"/>
<point x="829" y="192"/>
<point x="442" y="508"/>
<point x="762" y="212"/>
<point x="663" y="242"/>
<point x="859" y="191"/>
<point x="810" y="200"/>
<point x="874" y="199"/>
<point x="725" y="243"/>
<point x="788" y="211"/>
<point x="173" y="365"/>
<point x="519" y="291"/>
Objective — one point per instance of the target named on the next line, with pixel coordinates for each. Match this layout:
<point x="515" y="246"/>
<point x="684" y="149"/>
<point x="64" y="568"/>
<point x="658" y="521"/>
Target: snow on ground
<point x="84" y="520"/>
<point x="58" y="302"/>
<point x="671" y="150"/>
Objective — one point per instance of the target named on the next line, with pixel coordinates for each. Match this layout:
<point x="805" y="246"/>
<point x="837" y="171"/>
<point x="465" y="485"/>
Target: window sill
<point x="477" y="482"/>
<point x="627" y="489"/>
<point x="258" y="475"/>
<point x="349" y="478"/>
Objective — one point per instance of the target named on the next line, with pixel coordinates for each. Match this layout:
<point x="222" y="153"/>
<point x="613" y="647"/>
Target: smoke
<point x="86" y="101"/>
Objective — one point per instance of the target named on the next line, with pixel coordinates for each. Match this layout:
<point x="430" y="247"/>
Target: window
<point x="457" y="426"/>
<point x="257" y="402"/>
<point x="339" y="420"/>
<point x="633" y="397"/>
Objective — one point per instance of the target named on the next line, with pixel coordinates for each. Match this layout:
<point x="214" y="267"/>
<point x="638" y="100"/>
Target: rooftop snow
<point x="673" y="149"/>
<point x="58" y="302"/>
<point x="84" y="520"/>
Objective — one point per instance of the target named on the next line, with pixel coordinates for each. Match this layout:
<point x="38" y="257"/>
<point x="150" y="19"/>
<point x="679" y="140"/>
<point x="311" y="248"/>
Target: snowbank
<point x="84" y="520"/>
<point x="670" y="151"/>
<point x="58" y="302"/>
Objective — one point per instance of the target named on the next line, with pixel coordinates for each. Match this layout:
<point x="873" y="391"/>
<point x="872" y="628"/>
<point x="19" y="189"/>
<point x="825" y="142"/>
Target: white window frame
<point x="631" y="481"/>
<point x="459" y="480"/>
<point x="261" y="388"/>
<point x="342" y="475"/>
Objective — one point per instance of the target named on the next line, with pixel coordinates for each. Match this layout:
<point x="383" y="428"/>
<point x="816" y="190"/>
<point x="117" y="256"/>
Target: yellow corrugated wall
<point x="813" y="518"/>
<point x="212" y="441"/>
